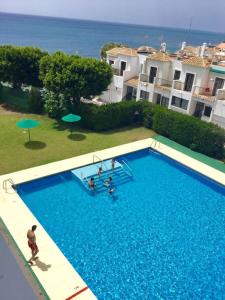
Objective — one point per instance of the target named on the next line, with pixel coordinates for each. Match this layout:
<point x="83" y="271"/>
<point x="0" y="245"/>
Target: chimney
<point x="163" y="47"/>
<point x="203" y="48"/>
<point x="183" y="45"/>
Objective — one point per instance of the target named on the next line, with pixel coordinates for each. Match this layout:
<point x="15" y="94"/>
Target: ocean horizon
<point x="86" y="37"/>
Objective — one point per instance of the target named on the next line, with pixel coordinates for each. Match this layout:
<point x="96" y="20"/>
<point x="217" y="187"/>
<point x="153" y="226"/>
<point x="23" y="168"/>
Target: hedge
<point x="111" y="116"/>
<point x="188" y="131"/>
<point x="191" y="132"/>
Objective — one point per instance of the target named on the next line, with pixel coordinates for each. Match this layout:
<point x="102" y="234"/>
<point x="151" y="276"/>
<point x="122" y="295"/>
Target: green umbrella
<point x="27" y="124"/>
<point x="71" y="118"/>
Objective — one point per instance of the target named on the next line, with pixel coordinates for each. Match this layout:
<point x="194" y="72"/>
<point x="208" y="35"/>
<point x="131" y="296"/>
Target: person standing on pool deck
<point x="32" y="243"/>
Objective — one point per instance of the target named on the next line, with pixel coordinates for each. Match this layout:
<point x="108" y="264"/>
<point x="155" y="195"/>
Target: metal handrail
<point x="4" y="184"/>
<point x="128" y="167"/>
<point x="101" y="160"/>
<point x="155" y="143"/>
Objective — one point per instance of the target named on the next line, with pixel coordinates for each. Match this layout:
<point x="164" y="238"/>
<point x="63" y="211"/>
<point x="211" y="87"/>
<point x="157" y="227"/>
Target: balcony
<point x="221" y="94"/>
<point x="178" y="85"/>
<point x="143" y="77"/>
<point x="116" y="71"/>
<point x="203" y="93"/>
<point x="163" y="84"/>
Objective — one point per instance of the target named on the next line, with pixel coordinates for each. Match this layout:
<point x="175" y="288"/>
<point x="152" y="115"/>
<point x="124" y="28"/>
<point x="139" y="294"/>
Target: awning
<point x="217" y="69"/>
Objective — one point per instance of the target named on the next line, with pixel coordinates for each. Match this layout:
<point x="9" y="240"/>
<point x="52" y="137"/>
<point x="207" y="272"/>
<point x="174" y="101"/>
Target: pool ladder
<point x="8" y="180"/>
<point x="155" y="144"/>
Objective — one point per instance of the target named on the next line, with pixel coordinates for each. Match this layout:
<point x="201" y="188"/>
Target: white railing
<point x="100" y="160"/>
<point x="128" y="167"/>
<point x="221" y="94"/>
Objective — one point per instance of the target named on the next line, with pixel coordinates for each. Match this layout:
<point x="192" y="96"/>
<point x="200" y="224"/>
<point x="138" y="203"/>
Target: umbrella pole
<point x="29" y="134"/>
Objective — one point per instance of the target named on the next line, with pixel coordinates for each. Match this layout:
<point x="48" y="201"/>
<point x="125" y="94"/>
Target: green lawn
<point x="52" y="142"/>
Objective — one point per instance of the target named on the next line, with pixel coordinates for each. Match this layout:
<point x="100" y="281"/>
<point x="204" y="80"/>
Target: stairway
<point x="119" y="174"/>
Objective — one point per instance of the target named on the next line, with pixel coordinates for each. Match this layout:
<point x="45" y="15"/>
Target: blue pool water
<point x="160" y="236"/>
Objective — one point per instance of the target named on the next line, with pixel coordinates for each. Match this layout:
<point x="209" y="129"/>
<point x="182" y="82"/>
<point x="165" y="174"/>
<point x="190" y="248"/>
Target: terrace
<point x="163" y="84"/>
<point x="203" y="93"/>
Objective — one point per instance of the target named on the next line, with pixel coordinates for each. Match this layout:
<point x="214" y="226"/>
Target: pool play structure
<point x="159" y="236"/>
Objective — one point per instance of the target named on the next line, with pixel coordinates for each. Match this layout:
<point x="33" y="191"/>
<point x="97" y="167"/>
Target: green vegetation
<point x="35" y="101"/>
<point x="14" y="99"/>
<point x="108" y="47"/>
<point x="188" y="131"/>
<point x="20" y="65"/>
<point x="111" y="116"/>
<point x="52" y="142"/>
<point x="68" y="78"/>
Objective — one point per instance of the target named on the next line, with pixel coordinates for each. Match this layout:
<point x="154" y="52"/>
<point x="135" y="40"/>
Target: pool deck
<point x="55" y="273"/>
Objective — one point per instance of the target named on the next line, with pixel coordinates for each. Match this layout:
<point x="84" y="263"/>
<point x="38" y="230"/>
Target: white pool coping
<point x="61" y="280"/>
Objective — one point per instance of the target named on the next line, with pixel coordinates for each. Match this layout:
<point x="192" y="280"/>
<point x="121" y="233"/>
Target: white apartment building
<point x="191" y="81"/>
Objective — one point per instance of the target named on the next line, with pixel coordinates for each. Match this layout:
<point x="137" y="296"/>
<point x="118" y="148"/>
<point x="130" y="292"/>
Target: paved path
<point x="196" y="155"/>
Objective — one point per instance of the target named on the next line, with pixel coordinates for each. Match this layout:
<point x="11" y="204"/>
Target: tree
<point x="20" y="65"/>
<point x="107" y="47"/>
<point x="74" y="77"/>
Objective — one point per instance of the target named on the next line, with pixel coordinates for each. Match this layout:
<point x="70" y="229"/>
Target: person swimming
<point x="109" y="185"/>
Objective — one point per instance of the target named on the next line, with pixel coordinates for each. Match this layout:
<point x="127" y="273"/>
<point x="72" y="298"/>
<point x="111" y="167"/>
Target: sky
<point x="206" y="15"/>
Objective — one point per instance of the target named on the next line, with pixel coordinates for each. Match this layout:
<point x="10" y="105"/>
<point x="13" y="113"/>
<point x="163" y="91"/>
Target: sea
<point x="86" y="38"/>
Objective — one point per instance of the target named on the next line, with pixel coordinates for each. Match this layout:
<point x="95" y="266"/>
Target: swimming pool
<point x="160" y="236"/>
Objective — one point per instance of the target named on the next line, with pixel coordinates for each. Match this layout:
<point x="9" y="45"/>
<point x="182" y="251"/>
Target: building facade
<point x="191" y="81"/>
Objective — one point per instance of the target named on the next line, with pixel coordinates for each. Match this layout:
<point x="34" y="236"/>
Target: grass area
<point x="52" y="141"/>
<point x="220" y="166"/>
<point x="15" y="99"/>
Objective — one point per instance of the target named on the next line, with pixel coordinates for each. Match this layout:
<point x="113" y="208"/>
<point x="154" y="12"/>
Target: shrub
<point x="35" y="101"/>
<point x="54" y="104"/>
<point x="191" y="132"/>
<point x="111" y="116"/>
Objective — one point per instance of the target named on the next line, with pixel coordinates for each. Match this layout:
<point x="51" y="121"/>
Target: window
<point x="158" y="100"/>
<point x="176" y="75"/>
<point x="162" y="100"/>
<point x="152" y="75"/>
<point x="189" y="82"/>
<point x="122" y="67"/>
<point x="219" y="82"/>
<point x="179" y="102"/>
<point x="111" y="62"/>
<point x="207" y="111"/>
<point x="165" y="101"/>
<point x="144" y="95"/>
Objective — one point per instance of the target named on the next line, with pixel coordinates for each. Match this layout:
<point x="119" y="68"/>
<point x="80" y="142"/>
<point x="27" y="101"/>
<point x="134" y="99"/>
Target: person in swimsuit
<point x="113" y="163"/>
<point x="109" y="185"/>
<point x="91" y="183"/>
<point x="99" y="171"/>
<point x="32" y="243"/>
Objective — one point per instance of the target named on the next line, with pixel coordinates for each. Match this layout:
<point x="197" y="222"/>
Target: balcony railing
<point x="221" y="94"/>
<point x="163" y="83"/>
<point x="204" y="93"/>
<point x="178" y="85"/>
<point x="144" y="77"/>
<point x="116" y="71"/>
